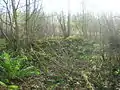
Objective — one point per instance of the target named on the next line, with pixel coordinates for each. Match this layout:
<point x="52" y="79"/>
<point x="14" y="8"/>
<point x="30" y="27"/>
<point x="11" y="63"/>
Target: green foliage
<point x="73" y="47"/>
<point x="67" y="58"/>
<point x="3" y="84"/>
<point x="61" y="60"/>
<point x="13" y="87"/>
<point x="14" y="68"/>
<point x="65" y="63"/>
<point x="9" y="87"/>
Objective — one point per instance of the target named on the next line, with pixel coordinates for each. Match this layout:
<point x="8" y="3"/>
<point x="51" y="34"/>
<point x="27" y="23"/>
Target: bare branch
<point x="17" y="4"/>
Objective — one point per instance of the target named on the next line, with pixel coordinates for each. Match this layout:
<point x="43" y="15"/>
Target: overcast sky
<point x="96" y="6"/>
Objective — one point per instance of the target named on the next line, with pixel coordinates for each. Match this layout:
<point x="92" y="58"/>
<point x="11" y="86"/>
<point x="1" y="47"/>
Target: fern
<point x="14" y="68"/>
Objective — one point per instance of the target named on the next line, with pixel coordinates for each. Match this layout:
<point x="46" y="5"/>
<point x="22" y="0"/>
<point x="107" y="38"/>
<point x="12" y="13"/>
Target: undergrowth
<point x="71" y="63"/>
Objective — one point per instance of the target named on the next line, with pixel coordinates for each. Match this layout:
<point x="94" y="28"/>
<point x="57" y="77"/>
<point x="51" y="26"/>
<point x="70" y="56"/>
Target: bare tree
<point x="69" y="20"/>
<point x="65" y="27"/>
<point x="84" y="20"/>
<point x="14" y="9"/>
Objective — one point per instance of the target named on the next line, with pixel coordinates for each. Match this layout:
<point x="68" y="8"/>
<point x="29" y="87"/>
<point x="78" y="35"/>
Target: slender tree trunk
<point x="69" y="26"/>
<point x="16" y="23"/>
<point x="27" y="21"/>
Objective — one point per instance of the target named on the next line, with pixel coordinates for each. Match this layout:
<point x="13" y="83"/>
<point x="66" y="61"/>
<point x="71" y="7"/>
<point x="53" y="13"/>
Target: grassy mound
<point x="62" y="61"/>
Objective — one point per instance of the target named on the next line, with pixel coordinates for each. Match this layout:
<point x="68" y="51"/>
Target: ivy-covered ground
<point x="59" y="64"/>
